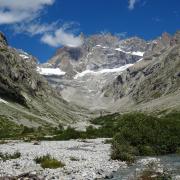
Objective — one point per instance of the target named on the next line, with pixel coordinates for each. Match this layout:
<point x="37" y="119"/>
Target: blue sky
<point x="40" y="27"/>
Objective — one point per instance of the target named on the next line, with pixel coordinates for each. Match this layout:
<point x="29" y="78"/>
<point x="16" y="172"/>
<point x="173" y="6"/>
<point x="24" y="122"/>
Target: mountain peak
<point x="3" y="40"/>
<point x="177" y="37"/>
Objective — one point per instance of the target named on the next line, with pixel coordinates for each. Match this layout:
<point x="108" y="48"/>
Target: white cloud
<point x="60" y="37"/>
<point x="132" y="4"/>
<point x="24" y="16"/>
<point x="34" y="28"/>
<point x="15" y="11"/>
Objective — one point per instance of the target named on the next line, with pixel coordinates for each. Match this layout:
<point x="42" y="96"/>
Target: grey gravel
<point x="93" y="159"/>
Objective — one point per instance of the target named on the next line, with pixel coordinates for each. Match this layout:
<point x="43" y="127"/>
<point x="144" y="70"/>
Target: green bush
<point x="140" y="134"/>
<point x="49" y="162"/>
<point x="146" y="150"/>
<point x="178" y="150"/>
<point x="123" y="153"/>
<point x="69" y="133"/>
<point x="8" y="129"/>
<point x="122" y="150"/>
<point x="27" y="130"/>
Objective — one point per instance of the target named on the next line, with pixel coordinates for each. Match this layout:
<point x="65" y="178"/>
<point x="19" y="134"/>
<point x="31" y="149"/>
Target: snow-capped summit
<point x="81" y="73"/>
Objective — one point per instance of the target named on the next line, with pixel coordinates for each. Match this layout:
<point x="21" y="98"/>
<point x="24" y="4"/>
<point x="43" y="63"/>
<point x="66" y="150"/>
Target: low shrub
<point x="49" y="162"/>
<point x="27" y="130"/>
<point x="140" y="134"/>
<point x="122" y="150"/>
<point x="8" y="129"/>
<point x="178" y="150"/>
<point x="146" y="150"/>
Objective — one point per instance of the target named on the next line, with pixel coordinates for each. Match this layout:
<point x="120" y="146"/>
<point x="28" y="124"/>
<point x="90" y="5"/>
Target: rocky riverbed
<point x="167" y="164"/>
<point x="89" y="159"/>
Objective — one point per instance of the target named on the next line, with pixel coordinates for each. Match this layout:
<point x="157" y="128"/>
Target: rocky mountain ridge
<point x="105" y="75"/>
<point x="155" y="78"/>
<point x="92" y="73"/>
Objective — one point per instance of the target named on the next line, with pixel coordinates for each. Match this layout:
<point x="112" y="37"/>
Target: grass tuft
<point x="49" y="162"/>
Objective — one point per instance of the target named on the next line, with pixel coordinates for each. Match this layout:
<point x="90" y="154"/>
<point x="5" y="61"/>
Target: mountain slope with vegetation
<point x="26" y="97"/>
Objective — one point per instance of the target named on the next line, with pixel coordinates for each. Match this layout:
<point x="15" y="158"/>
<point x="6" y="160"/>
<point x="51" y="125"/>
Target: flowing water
<point x="169" y="162"/>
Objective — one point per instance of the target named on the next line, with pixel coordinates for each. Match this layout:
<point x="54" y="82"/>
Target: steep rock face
<point x="160" y="78"/>
<point x="27" y="57"/>
<point x="152" y="78"/>
<point x="156" y="47"/>
<point x="97" y="52"/>
<point x="18" y="77"/>
<point x="134" y="44"/>
<point x="65" y="58"/>
<point x="176" y="38"/>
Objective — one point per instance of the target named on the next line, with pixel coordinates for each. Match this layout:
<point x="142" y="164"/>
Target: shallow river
<point x="170" y="162"/>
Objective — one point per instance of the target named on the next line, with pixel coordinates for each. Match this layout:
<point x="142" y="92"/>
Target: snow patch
<point x="119" y="49"/>
<point x="134" y="53"/>
<point x="23" y="56"/>
<point x="120" y="69"/>
<point x="104" y="47"/>
<point x="50" y="71"/>
<point x="140" y="60"/>
<point x="3" y="101"/>
<point x="137" y="53"/>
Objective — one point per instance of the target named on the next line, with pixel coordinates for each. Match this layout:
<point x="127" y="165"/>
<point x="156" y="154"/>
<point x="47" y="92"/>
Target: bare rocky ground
<point x="92" y="160"/>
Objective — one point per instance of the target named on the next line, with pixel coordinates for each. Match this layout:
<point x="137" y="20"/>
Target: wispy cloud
<point x="15" y="11"/>
<point x="132" y="3"/>
<point x="34" y="28"/>
<point x="60" y="37"/>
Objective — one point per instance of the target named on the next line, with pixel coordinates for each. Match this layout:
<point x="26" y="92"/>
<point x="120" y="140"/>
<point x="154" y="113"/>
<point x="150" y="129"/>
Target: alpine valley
<point x="112" y="99"/>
